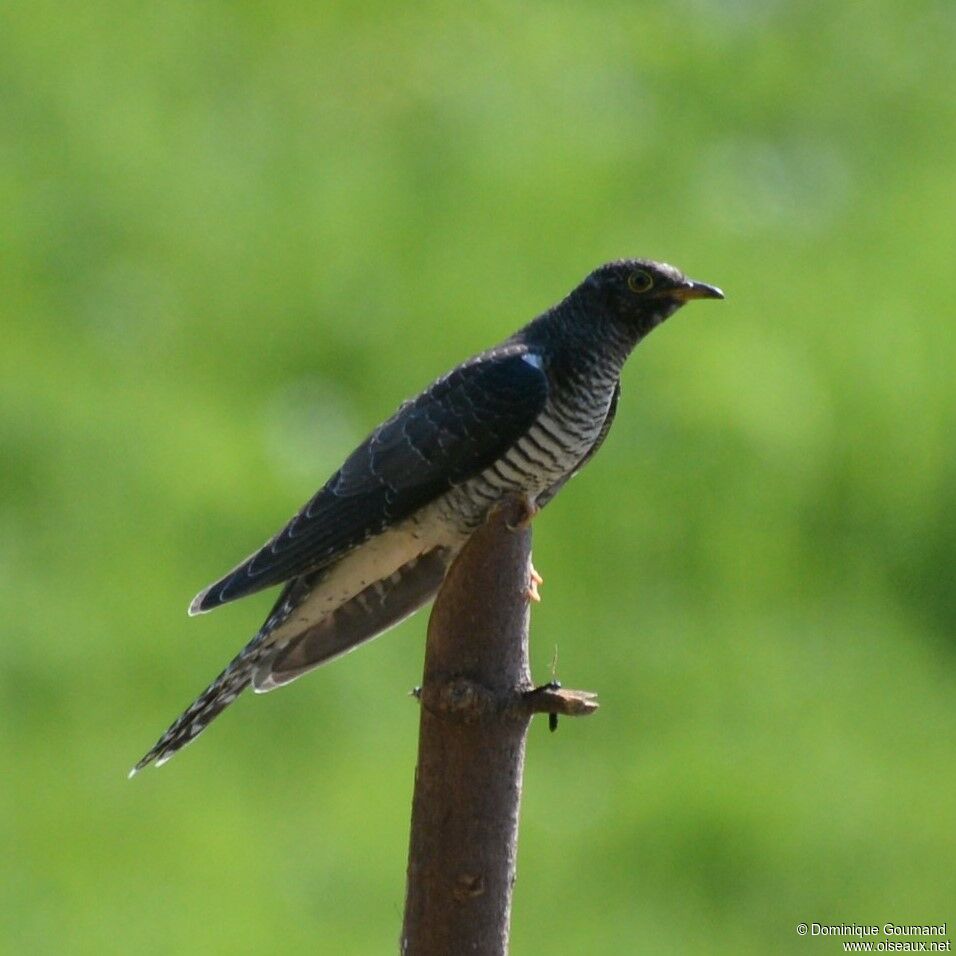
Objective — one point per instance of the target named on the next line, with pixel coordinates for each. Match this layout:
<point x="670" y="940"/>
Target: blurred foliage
<point x="235" y="235"/>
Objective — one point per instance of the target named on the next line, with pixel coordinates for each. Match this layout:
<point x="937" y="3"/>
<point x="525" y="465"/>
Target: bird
<point x="373" y="545"/>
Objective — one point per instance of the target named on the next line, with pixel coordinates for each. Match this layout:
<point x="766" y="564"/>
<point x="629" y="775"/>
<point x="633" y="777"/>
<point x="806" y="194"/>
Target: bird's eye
<point x="639" y="281"/>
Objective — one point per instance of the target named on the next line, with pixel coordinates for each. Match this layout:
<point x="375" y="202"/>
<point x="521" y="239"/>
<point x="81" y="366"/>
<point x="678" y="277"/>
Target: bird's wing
<point x="454" y="430"/>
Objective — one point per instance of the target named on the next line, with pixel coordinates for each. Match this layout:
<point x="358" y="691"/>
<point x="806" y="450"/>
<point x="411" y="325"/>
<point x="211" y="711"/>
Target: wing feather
<point x="454" y="430"/>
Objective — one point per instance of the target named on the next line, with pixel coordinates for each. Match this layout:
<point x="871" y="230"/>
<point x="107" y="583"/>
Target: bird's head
<point x="641" y="293"/>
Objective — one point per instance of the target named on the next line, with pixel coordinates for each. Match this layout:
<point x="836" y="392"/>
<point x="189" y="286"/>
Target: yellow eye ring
<point x="640" y="281"/>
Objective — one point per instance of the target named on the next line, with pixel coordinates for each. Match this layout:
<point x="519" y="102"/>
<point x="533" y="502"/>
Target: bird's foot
<point x="532" y="590"/>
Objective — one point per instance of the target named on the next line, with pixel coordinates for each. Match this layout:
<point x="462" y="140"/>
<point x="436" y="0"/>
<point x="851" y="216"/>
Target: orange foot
<point x="532" y="590"/>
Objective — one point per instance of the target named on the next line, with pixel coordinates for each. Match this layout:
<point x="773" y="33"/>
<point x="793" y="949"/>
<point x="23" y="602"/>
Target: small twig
<point x="552" y="698"/>
<point x="464" y="700"/>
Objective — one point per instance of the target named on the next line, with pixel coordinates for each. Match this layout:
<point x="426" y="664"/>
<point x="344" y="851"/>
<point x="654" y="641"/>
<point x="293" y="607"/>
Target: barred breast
<point x="547" y="453"/>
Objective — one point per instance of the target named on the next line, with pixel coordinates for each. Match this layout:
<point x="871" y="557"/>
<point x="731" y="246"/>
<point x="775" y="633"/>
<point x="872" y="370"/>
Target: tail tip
<point x="155" y="757"/>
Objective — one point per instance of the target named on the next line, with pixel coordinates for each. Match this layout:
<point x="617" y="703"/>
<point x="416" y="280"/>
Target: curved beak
<point x="696" y="290"/>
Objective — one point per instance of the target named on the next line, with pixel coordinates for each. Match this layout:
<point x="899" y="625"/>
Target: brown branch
<point x="477" y="702"/>
<point x="555" y="699"/>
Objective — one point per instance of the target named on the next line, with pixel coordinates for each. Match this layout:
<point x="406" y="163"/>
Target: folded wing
<point x="455" y="429"/>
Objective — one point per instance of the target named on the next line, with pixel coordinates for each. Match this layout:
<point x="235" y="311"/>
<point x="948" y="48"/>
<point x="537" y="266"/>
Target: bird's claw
<point x="532" y="590"/>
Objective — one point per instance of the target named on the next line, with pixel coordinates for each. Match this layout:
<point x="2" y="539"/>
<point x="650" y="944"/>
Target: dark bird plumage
<point x="374" y="543"/>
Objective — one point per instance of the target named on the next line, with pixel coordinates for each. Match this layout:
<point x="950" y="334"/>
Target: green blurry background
<point x="235" y="235"/>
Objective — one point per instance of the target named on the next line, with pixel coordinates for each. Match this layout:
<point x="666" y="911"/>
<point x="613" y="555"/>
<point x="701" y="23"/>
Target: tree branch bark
<point x="477" y="700"/>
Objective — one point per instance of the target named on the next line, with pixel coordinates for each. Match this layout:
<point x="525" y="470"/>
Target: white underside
<point x="373" y="561"/>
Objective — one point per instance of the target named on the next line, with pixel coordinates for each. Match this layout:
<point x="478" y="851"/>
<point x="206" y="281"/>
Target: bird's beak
<point x="689" y="289"/>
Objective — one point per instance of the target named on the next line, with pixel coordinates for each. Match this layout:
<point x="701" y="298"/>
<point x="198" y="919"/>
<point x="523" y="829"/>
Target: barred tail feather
<point x="210" y="703"/>
<point x="290" y="644"/>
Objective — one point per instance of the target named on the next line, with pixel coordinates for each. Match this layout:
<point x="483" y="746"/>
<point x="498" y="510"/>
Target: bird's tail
<point x="207" y="706"/>
<point x="278" y="654"/>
